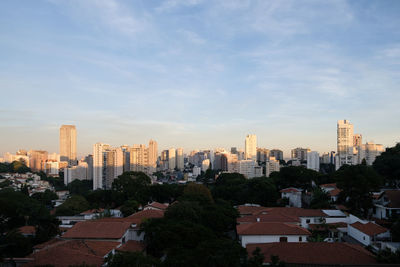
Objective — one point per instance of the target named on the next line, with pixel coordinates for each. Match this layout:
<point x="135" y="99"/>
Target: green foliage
<point x="78" y="187"/>
<point x="295" y="176"/>
<point x="133" y="185"/>
<point x="388" y="164"/>
<point x="356" y="183"/>
<point x="132" y="259"/>
<point x="257" y="258"/>
<point x="5" y="183"/>
<point x="14" y="167"/>
<point x="395" y="231"/>
<point x="130" y="206"/>
<point x="105" y="199"/>
<point x="57" y="182"/>
<point x="14" y="244"/>
<point x="388" y="257"/>
<point x="72" y="206"/>
<point x="166" y="192"/>
<point x="197" y="192"/>
<point x="276" y="262"/>
<point x="46" y="197"/>
<point x="320" y="199"/>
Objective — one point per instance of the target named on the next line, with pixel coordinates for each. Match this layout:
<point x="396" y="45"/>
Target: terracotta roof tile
<point x="98" y="230"/>
<point x="315" y="253"/>
<point x="157" y="205"/>
<point x="369" y="228"/>
<point x="73" y="252"/>
<point x="146" y="214"/>
<point x="335" y="192"/>
<point x="328" y="185"/>
<point x="248" y="210"/>
<point x="132" y="246"/>
<point x="27" y="230"/>
<point x="291" y="189"/>
<point x="299" y="212"/>
<point x="268" y="218"/>
<point x="92" y="211"/>
<point x="270" y="228"/>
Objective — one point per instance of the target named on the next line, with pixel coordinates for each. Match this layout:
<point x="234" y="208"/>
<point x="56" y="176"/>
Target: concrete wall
<point x="252" y="239"/>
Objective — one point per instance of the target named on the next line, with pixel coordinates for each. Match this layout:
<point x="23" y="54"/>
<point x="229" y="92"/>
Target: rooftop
<point x="369" y="228"/>
<point x="132" y="246"/>
<point x="270" y="228"/>
<point x="99" y="229"/>
<point x="315" y="253"/>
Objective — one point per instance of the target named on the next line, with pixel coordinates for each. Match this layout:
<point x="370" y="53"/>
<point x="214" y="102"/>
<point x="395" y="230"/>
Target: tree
<point x="197" y="192"/>
<point x="260" y="191"/>
<point x="80" y="187"/>
<point x="357" y="182"/>
<point x="130" y="206"/>
<point x="320" y="199"/>
<point x="388" y="164"/>
<point x="131" y="259"/>
<point x="133" y="185"/>
<point x="73" y="206"/>
<point x="229" y="186"/>
<point x="295" y="176"/>
<point x="45" y="197"/>
<point x="257" y="259"/>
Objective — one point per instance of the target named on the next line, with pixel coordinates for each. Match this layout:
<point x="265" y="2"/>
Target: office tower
<point x="179" y="159"/>
<point x="50" y="167"/>
<point x="138" y="158"/>
<point x="300" y="153"/>
<point x="345" y="141"/>
<point x="357" y="140"/>
<point x="276" y="153"/>
<point x="271" y="166"/>
<point x="171" y="158"/>
<point x="247" y="167"/>
<point x="152" y="155"/>
<point x="80" y="172"/>
<point x="99" y="165"/>
<point x="325" y="158"/>
<point x="164" y="160"/>
<point x="36" y="158"/>
<point x="313" y="160"/>
<point x="251" y="147"/>
<point x="114" y="165"/>
<point x="68" y="144"/>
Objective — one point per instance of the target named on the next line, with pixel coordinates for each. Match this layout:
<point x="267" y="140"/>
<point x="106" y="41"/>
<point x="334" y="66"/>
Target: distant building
<point x="179" y="159"/>
<point x="50" y="167"/>
<point x="196" y="171"/>
<point x="271" y="166"/>
<point x="262" y="154"/>
<point x="171" y="158"/>
<point x="68" y="144"/>
<point x="99" y="165"/>
<point x="36" y="159"/>
<point x="251" y="147"/>
<point x="246" y="167"/>
<point x="345" y="140"/>
<point x="276" y="153"/>
<point x="205" y="165"/>
<point x="300" y="153"/>
<point x="313" y="160"/>
<point x="152" y="155"/>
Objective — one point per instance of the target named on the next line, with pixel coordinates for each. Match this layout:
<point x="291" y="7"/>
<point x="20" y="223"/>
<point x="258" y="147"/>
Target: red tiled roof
<point x="270" y="228"/>
<point x="328" y="185"/>
<point x="248" y="210"/>
<point x="315" y="253"/>
<point x="288" y="190"/>
<point x="369" y="228"/>
<point x="132" y="246"/>
<point x="73" y="252"/>
<point x="98" y="229"/>
<point x="298" y="212"/>
<point x="48" y="243"/>
<point x="27" y="230"/>
<point x="157" y="205"/>
<point x="335" y="192"/>
<point x="92" y="211"/>
<point x="146" y="214"/>
<point x="327" y="226"/>
<point x="274" y="217"/>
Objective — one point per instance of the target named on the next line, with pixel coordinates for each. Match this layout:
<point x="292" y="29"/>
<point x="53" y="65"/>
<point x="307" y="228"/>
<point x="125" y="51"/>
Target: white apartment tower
<point x="313" y="160"/>
<point x="179" y="159"/>
<point x="251" y="147"/>
<point x="152" y="155"/>
<point x="108" y="164"/>
<point x="98" y="165"/>
<point x="68" y="144"/>
<point x="345" y="142"/>
<point x="171" y="158"/>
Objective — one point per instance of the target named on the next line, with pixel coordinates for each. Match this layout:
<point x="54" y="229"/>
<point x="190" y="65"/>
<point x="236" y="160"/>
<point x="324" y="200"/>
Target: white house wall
<point x="253" y="239"/>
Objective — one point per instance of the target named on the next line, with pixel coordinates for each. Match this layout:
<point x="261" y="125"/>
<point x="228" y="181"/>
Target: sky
<point x="198" y="74"/>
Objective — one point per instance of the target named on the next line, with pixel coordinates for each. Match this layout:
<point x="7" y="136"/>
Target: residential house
<point x="367" y="233"/>
<point x="332" y="190"/>
<point x="293" y="195"/>
<point x="387" y="204"/>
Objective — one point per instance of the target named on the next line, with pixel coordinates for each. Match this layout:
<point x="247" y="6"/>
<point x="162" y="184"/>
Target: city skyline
<point x="198" y="74"/>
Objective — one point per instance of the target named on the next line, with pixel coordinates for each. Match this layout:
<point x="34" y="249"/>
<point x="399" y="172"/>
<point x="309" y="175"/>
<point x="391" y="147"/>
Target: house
<point x="269" y="232"/>
<point x="315" y="253"/>
<point x="64" y="253"/>
<point x="27" y="230"/>
<point x="268" y="217"/>
<point x="293" y="195"/>
<point x="306" y="216"/>
<point x="387" y="204"/>
<point x="367" y="233"/>
<point x="332" y="190"/>
<point x="156" y="206"/>
<point x="249" y="209"/>
<point x="131" y="246"/>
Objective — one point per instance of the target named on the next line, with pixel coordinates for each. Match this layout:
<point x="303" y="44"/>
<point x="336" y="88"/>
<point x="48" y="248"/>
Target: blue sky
<point x="198" y="74"/>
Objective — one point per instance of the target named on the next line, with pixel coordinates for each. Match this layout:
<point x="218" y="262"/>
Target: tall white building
<point x="272" y="165"/>
<point x="313" y="160"/>
<point x="205" y="165"/>
<point x="345" y="141"/>
<point x="179" y="159"/>
<point x="171" y="158"/>
<point x="247" y="168"/>
<point x="369" y="152"/>
<point x="68" y="144"/>
<point x="251" y="147"/>
<point x="152" y="155"/>
<point x="98" y="165"/>
<point x="138" y="158"/>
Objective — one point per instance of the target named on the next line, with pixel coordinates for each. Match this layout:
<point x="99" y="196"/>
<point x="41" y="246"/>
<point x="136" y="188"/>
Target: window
<point x="283" y="239"/>
<point x="308" y="221"/>
<point x="300" y="239"/>
<point x="364" y="237"/>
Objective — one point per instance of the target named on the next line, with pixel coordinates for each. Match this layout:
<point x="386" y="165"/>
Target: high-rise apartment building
<point x="276" y="153"/>
<point x="171" y="158"/>
<point x="139" y="158"/>
<point x="107" y="165"/>
<point x="357" y="140"/>
<point x="180" y="159"/>
<point x="313" y="160"/>
<point x="152" y="155"/>
<point x="36" y="159"/>
<point x="251" y="147"/>
<point x="68" y="144"/>
<point x="300" y="153"/>
<point x="99" y="165"/>
<point x="262" y="154"/>
<point x="271" y="166"/>
<point x="345" y="142"/>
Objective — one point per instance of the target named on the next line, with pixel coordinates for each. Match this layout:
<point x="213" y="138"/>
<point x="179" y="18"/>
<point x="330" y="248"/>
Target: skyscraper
<point x="179" y="159"/>
<point x="171" y="158"/>
<point x="68" y="144"/>
<point x="251" y="147"/>
<point x="99" y="165"/>
<point x="345" y="142"/>
<point x="152" y="155"/>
